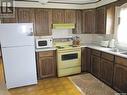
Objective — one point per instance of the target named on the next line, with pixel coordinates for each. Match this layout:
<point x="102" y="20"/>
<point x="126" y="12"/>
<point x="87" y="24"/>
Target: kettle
<point x="112" y="43"/>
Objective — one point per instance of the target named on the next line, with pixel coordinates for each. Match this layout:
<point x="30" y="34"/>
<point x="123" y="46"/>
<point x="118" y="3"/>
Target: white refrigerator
<point x="18" y="53"/>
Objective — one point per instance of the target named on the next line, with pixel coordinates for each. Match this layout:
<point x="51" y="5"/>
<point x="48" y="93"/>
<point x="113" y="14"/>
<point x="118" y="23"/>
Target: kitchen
<point x="70" y="44"/>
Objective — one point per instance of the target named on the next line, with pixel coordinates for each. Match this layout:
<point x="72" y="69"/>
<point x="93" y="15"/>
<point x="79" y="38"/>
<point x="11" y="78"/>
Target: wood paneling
<point x="89" y="21"/>
<point x="106" y="71"/>
<point x="70" y="16"/>
<point x="43" y="21"/>
<point x="120" y="78"/>
<point x="26" y="15"/>
<point x="58" y="16"/>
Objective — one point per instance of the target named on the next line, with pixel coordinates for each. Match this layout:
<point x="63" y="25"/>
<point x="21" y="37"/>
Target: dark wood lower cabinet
<point x="88" y="60"/>
<point x="95" y="65"/>
<point x="120" y="78"/>
<point x="46" y="67"/>
<point x="83" y="59"/>
<point x="46" y="64"/>
<point x="106" y="71"/>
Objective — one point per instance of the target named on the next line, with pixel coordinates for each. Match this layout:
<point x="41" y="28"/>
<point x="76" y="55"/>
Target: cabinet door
<point x="43" y="21"/>
<point x="58" y="16"/>
<point x="88" y="60"/>
<point x="78" y="26"/>
<point x="95" y="65"/>
<point x="89" y="21"/>
<point x="70" y="16"/>
<point x="83" y="59"/>
<point x="101" y="20"/>
<point x="11" y="20"/>
<point x="106" y="71"/>
<point x="110" y="18"/>
<point x="120" y="78"/>
<point x="25" y="15"/>
<point x="46" y="67"/>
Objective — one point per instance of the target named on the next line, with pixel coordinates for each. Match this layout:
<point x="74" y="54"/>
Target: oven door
<point x="68" y="59"/>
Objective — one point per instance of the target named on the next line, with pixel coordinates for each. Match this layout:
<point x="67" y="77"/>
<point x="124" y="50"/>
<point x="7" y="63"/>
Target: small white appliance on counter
<point x="44" y="42"/>
<point x="104" y="43"/>
<point x="18" y="53"/>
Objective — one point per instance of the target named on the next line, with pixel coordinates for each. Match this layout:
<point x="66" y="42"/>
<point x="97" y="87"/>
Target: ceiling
<point x="78" y="2"/>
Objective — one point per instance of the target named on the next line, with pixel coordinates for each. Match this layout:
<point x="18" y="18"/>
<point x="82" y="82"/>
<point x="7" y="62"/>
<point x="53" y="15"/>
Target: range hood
<point x="64" y="26"/>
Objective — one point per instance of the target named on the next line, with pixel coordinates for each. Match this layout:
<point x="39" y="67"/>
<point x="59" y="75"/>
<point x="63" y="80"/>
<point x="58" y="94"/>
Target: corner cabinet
<point x="105" y="17"/>
<point x="43" y="22"/>
<point x="46" y="64"/>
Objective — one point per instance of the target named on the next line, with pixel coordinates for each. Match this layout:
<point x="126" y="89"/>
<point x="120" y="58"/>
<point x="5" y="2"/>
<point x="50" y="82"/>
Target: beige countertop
<point x="104" y="49"/>
<point x="45" y="49"/>
<point x="92" y="46"/>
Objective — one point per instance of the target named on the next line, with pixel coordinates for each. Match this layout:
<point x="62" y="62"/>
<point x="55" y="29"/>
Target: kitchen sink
<point x="118" y="50"/>
<point x="124" y="53"/>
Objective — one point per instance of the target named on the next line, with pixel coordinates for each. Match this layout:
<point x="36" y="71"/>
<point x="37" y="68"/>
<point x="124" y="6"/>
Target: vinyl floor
<point x="50" y="86"/>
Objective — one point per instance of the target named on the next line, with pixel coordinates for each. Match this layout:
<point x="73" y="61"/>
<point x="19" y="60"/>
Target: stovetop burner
<point x="59" y="47"/>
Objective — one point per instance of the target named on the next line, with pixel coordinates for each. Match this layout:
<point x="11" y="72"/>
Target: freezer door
<point x="12" y="35"/>
<point x="19" y="66"/>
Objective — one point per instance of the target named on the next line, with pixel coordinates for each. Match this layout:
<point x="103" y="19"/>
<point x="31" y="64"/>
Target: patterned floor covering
<point x="89" y="85"/>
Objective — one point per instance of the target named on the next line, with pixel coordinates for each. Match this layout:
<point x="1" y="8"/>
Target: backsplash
<point x="61" y="33"/>
<point x="84" y="38"/>
<point x="94" y="38"/>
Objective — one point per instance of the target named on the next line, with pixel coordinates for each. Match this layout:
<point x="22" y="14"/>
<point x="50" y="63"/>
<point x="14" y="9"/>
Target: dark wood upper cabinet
<point x="105" y="19"/>
<point x="70" y="16"/>
<point x="78" y="25"/>
<point x="89" y="21"/>
<point x="110" y="18"/>
<point x="101" y="20"/>
<point x="26" y="15"/>
<point x="58" y="16"/>
<point x="43" y="22"/>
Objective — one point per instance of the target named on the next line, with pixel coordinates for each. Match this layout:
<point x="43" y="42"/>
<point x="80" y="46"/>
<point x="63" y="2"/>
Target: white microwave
<point x="44" y="43"/>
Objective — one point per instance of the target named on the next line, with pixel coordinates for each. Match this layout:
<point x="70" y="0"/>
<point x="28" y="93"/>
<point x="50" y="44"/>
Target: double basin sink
<point x="118" y="51"/>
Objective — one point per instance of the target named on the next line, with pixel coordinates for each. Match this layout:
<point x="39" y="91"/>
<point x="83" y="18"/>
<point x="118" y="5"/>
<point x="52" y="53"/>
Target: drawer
<point x="45" y="53"/>
<point x="95" y="52"/>
<point x="107" y="56"/>
<point x="120" y="60"/>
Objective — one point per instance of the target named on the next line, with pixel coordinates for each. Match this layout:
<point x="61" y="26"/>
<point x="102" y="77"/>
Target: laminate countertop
<point x="104" y="49"/>
<point x="91" y="46"/>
